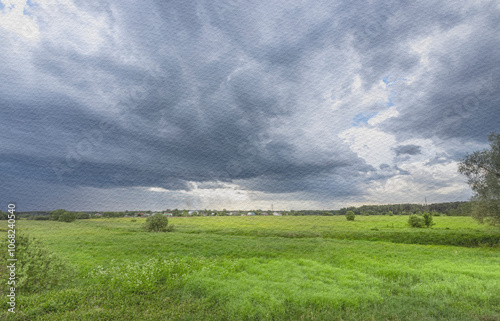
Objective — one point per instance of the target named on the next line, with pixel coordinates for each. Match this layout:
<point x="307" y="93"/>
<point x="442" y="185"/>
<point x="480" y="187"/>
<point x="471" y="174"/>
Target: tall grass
<point x="222" y="269"/>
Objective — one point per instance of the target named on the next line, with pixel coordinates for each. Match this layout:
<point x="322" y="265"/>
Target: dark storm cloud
<point x="408" y="149"/>
<point x="210" y="91"/>
<point x="461" y="90"/>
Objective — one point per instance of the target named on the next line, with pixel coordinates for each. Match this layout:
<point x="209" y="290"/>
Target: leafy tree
<point x="156" y="223"/>
<point x="349" y="215"/>
<point x="482" y="169"/>
<point x="67" y="217"/>
<point x="54" y="215"/>
<point x="428" y="219"/>
<point x="416" y="221"/>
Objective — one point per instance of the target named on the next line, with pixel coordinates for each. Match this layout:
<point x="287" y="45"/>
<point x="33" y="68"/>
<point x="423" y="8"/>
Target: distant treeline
<point x="450" y="209"/>
<point x="54" y="215"/>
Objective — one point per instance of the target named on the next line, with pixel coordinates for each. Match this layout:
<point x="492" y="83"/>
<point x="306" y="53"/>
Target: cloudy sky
<point x="243" y="104"/>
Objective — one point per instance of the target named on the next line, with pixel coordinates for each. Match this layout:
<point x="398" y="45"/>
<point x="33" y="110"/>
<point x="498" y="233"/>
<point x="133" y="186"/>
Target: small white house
<point x="277" y="214"/>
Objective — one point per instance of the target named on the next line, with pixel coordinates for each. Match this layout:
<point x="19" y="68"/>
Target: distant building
<point x="250" y="214"/>
<point x="264" y="213"/>
<point x="277" y="214"/>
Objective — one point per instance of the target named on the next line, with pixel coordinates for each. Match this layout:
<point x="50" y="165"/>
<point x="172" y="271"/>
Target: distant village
<point x="196" y="213"/>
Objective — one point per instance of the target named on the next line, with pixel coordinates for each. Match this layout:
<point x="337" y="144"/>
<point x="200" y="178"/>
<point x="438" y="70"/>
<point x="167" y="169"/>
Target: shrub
<point x="156" y="223"/>
<point x="428" y="219"/>
<point x="350" y="216"/>
<point x="54" y="215"/>
<point x="67" y="217"/>
<point x="41" y="218"/>
<point x="390" y="213"/>
<point x="416" y="221"/>
<point x="39" y="269"/>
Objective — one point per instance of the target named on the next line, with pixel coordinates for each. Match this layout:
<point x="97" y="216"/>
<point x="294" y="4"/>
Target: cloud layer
<point x="210" y="103"/>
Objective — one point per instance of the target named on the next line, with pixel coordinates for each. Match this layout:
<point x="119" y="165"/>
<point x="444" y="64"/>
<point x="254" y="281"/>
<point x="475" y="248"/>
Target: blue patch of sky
<point x="29" y="5"/>
<point x="386" y="80"/>
<point x="389" y="103"/>
<point x="362" y="118"/>
<point x="1" y="6"/>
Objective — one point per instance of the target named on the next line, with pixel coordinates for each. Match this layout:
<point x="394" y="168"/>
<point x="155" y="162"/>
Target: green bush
<point x="54" y="215"/>
<point x="428" y="219"/>
<point x="41" y="218"/>
<point x="38" y="269"/>
<point x="67" y="217"/>
<point x="416" y="221"/>
<point x="156" y="223"/>
<point x="350" y="216"/>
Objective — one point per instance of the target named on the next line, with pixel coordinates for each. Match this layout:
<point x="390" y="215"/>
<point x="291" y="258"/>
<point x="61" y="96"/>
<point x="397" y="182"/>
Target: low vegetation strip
<point x="468" y="239"/>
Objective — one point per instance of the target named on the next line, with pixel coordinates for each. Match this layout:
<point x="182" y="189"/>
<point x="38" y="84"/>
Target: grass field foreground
<point x="265" y="268"/>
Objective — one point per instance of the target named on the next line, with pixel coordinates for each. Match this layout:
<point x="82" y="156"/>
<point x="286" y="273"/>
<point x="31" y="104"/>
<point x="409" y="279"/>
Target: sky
<point x="232" y="104"/>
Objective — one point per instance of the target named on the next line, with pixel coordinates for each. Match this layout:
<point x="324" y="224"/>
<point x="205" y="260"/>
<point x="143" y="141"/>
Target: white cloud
<point x="371" y="144"/>
<point x="437" y="183"/>
<point x="13" y="19"/>
<point x="383" y="115"/>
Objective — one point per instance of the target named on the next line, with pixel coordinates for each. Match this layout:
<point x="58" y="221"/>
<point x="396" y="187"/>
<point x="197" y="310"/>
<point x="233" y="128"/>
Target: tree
<point x="67" y="217"/>
<point x="428" y="219"/>
<point x="54" y="215"/>
<point x="482" y="169"/>
<point x="349" y="215"/>
<point x="156" y="223"/>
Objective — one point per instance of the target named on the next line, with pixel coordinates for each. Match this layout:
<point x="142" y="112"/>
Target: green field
<point x="268" y="268"/>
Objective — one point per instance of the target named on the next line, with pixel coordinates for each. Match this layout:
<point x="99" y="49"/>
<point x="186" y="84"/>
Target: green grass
<point x="266" y="268"/>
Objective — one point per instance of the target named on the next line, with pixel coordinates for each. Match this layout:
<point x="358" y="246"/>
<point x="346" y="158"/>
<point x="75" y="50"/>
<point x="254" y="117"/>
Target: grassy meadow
<point x="267" y="268"/>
